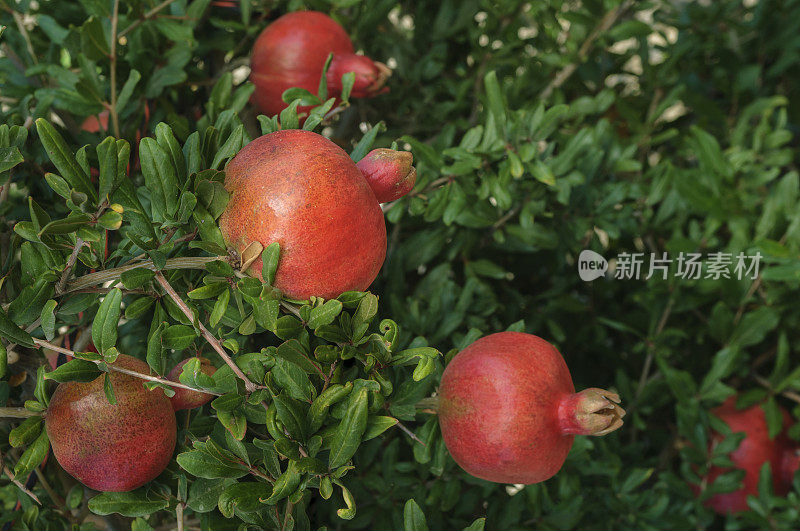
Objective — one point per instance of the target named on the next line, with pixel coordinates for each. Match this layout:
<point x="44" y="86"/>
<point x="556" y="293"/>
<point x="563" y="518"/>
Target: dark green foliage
<point x="539" y="129"/>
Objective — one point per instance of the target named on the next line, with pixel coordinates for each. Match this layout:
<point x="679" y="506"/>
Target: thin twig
<point x="101" y="277"/>
<point x="73" y="258"/>
<point x="58" y="500"/>
<point x="71" y="353"/>
<point x="791" y="395"/>
<point x="19" y="485"/>
<point x="150" y="14"/>
<point x="179" y="515"/>
<point x="113" y="109"/>
<point x="410" y="433"/>
<point x="605" y="23"/>
<point x="212" y="340"/>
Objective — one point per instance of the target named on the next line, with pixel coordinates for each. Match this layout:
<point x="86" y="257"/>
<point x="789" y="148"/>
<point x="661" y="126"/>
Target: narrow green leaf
<point x="130" y="504"/>
<point x="104" y="327"/>
<point x="348" y="435"/>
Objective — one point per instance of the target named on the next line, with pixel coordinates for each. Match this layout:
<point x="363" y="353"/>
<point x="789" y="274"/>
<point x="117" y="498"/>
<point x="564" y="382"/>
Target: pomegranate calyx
<point x="389" y="173"/>
<point x="592" y="411"/>
<point x="370" y="76"/>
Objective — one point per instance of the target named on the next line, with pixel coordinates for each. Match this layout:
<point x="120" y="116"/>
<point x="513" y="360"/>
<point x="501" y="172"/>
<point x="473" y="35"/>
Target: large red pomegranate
<point x="509" y="412"/>
<point x="301" y="190"/>
<point x="184" y="398"/>
<point x="112" y="448"/>
<point x="755" y="449"/>
<point x="291" y="52"/>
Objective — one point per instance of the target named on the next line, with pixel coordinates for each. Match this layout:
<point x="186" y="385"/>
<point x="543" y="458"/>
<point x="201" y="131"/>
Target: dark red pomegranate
<point x="509" y="412"/>
<point x="755" y="449"/>
<point x="303" y="191"/>
<point x="184" y="398"/>
<point x="112" y="448"/>
<point x="389" y="173"/>
<point x="291" y="52"/>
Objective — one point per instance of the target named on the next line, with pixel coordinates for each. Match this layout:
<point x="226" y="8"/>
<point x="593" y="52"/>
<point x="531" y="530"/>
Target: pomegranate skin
<point x="509" y="412"/>
<point x="184" y="398"/>
<point x="112" y="448"/>
<point x="755" y="450"/>
<point x="291" y="52"/>
<point x="93" y="123"/>
<point x="389" y="173"/>
<point x="301" y="190"/>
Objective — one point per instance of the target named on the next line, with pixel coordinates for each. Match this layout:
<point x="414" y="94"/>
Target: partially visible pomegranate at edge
<point x="93" y="123"/>
<point x="291" y="52"/>
<point x="509" y="412"/>
<point x="184" y="398"/>
<point x="755" y="449"/>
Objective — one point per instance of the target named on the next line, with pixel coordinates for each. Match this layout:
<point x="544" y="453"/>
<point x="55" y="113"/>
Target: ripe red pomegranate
<point x="291" y="52"/>
<point x="303" y="191"/>
<point x="389" y="173"/>
<point x="509" y="412"/>
<point x="184" y="398"/>
<point x="755" y="450"/>
<point x="112" y="448"/>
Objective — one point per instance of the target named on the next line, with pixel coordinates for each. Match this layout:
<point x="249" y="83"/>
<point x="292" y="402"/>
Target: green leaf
<point x="9" y="157"/>
<point x="104" y="327"/>
<point x="477" y="525"/>
<point x="136" y="278"/>
<point x="348" y="435"/>
<point x="243" y="497"/>
<point x="108" y="389"/>
<point x="269" y="262"/>
<point x="285" y="484"/>
<point x="377" y="425"/>
<point x="75" y="370"/>
<point x="324" y="314"/>
<point x="365" y="144"/>
<point x="413" y="517"/>
<point x="10" y="331"/>
<point x="494" y="95"/>
<point x="131" y="504"/>
<point x="32" y="456"/>
<point x="294" y="380"/>
<point x="26" y="432"/>
<point x="211" y="462"/>
<point x="63" y="158"/>
<point x="160" y="178"/>
<point x="48" y="319"/>
<point x="178" y="337"/>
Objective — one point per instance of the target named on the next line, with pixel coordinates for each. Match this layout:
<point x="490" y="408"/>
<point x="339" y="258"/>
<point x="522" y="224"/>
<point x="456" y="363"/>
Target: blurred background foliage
<point x="539" y="129"/>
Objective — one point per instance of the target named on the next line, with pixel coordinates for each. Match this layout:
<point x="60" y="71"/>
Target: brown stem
<point x="18" y="413"/>
<point x="71" y="353"/>
<point x="113" y="109"/>
<point x="58" y="500"/>
<point x="101" y="277"/>
<point x="179" y="515"/>
<point x="19" y="485"/>
<point x="212" y="340"/>
<point x="791" y="395"/>
<point x="73" y="257"/>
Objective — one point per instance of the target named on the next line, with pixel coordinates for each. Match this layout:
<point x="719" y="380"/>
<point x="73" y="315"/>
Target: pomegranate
<point x="184" y="398"/>
<point x="389" y="173"/>
<point x="93" y="123"/>
<point x="112" y="448"/>
<point x="303" y="191"/>
<point x="291" y="52"/>
<point x="509" y="412"/>
<point x="755" y="449"/>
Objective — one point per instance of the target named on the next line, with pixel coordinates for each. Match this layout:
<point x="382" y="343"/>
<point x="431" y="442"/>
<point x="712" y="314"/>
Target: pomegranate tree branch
<point x="73" y="258"/>
<point x="101" y="277"/>
<point x="791" y="395"/>
<point x="148" y="15"/>
<point x="71" y="353"/>
<point x="604" y="25"/>
<point x="17" y="413"/>
<point x="212" y="340"/>
<point x="19" y="485"/>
